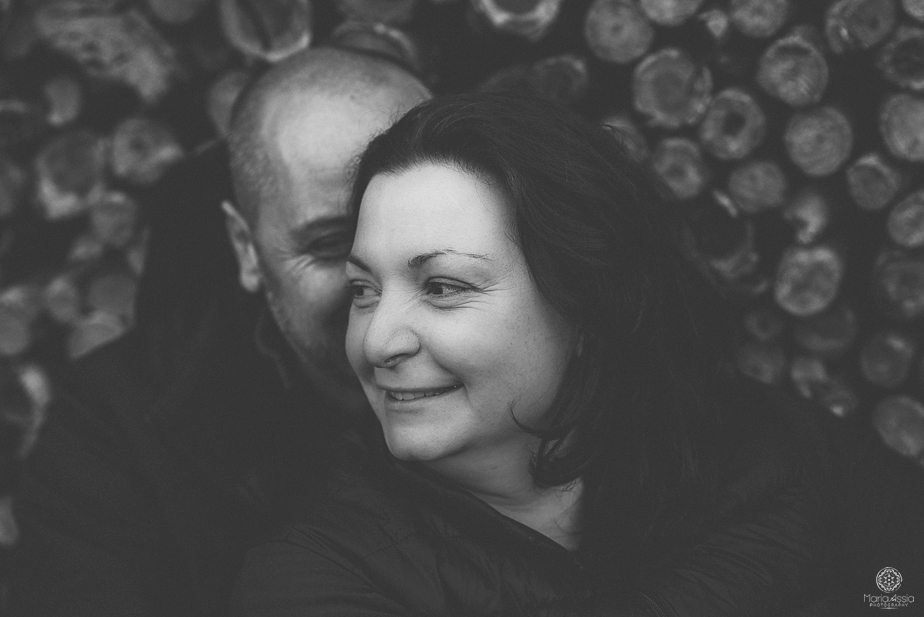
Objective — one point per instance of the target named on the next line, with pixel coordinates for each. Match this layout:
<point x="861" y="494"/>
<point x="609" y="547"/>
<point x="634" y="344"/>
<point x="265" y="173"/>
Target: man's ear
<point x="241" y="238"/>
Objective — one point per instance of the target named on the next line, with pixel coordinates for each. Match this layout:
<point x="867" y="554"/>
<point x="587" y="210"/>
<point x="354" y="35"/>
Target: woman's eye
<point x="443" y="289"/>
<point x="363" y="294"/>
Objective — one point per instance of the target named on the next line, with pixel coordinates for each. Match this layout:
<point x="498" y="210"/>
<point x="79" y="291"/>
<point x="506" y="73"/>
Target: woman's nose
<point x="390" y="337"/>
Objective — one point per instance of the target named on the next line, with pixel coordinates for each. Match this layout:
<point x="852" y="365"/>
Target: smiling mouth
<point x="397" y="395"/>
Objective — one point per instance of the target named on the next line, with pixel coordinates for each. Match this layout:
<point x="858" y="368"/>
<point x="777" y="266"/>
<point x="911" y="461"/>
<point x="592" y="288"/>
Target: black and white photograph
<point x="461" y="308"/>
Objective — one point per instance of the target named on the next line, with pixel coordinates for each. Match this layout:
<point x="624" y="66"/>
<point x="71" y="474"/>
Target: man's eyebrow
<point x="419" y="260"/>
<point x="309" y="230"/>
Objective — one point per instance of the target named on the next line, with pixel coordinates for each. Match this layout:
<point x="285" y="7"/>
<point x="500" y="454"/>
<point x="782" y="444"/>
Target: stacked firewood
<point x="789" y="132"/>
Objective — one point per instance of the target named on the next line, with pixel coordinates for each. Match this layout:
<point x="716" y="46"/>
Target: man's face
<point x="302" y="239"/>
<point x="296" y="243"/>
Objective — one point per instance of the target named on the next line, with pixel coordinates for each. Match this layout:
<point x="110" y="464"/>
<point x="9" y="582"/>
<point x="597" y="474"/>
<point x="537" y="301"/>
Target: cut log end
<point x="818" y="141"/>
<point x="885" y="358"/>
<point x="901" y="123"/>
<point x="757" y="185"/>
<point x="679" y="163"/>
<point x="794" y="71"/>
<point x="808" y="279"/>
<point x="873" y="182"/>
<point x="759" y="18"/>
<point x="899" y="419"/>
<point x="734" y="125"/>
<point x="905" y="223"/>
<point x="617" y="31"/>
<point x="671" y="89"/>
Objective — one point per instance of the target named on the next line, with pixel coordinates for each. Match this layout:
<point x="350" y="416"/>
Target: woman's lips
<point x="413" y="395"/>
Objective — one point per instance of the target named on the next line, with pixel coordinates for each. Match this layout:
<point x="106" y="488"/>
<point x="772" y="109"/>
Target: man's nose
<point x="391" y="336"/>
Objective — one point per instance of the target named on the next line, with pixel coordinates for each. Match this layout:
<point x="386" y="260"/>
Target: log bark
<point x="617" y="31"/>
<point x="13" y="187"/>
<point x="380" y="39"/>
<point x="268" y="30"/>
<point x="85" y="248"/>
<point x="901" y="124"/>
<point x="563" y="79"/>
<point x="808" y="374"/>
<point x="221" y="98"/>
<point x="873" y="182"/>
<point x="914" y="9"/>
<point x="725" y="243"/>
<point x="115" y="219"/>
<point x="734" y="125"/>
<point x="759" y="18"/>
<point x="62" y="298"/>
<point x="679" y="163"/>
<point x="808" y="279"/>
<point x="818" y="140"/>
<point x="764" y="323"/>
<point x="670" y="12"/>
<point x="829" y="334"/>
<point x="70" y="169"/>
<point x="92" y="331"/>
<point x="21" y="123"/>
<point x="852" y="25"/>
<point x="136" y="254"/>
<point x="899" y="419"/>
<point x="885" y="358"/>
<point x="63" y="95"/>
<point x="395" y="11"/>
<point x="905" y="223"/>
<point x="529" y="19"/>
<point x="716" y="23"/>
<point x="813" y="379"/>
<point x="120" y="46"/>
<point x="809" y="212"/>
<point x="37" y="385"/>
<point x="898" y="285"/>
<point x="901" y="60"/>
<point x="757" y="185"/>
<point x="670" y="89"/>
<point x="175" y="12"/>
<point x="112" y="290"/>
<point x="794" y="70"/>
<point x="143" y="149"/>
<point x="19" y="309"/>
<point x="763" y="361"/>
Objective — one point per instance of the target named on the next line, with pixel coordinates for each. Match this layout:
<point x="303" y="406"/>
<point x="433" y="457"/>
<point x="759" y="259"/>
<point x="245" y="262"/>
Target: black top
<point x="390" y="539"/>
<point x="142" y="501"/>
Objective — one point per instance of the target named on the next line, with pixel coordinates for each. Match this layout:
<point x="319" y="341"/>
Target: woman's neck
<point x="509" y="488"/>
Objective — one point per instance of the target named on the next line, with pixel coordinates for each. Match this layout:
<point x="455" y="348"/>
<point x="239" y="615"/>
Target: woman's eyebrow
<point x="359" y="263"/>
<point x="419" y="260"/>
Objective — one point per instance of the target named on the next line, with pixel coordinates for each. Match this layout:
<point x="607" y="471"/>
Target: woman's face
<point x="448" y="333"/>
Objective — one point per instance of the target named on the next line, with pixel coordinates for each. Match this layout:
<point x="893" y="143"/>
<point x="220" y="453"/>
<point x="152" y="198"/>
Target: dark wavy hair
<point x="636" y="416"/>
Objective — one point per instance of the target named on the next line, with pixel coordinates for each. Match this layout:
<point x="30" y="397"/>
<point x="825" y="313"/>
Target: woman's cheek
<point x="356" y="331"/>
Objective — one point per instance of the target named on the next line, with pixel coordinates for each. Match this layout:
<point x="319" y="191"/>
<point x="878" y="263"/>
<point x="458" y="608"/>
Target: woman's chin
<point x="413" y="447"/>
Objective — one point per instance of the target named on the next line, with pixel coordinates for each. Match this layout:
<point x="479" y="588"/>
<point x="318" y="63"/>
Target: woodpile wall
<point x="791" y="133"/>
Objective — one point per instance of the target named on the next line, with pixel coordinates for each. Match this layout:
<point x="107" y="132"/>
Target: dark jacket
<point x="139" y="499"/>
<point x="392" y="540"/>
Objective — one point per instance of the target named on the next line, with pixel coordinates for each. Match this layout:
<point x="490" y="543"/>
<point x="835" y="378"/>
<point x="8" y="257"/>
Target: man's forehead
<point x="324" y="131"/>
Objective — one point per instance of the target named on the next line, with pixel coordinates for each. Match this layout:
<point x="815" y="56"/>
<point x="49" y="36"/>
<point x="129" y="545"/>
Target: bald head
<point x="317" y="108"/>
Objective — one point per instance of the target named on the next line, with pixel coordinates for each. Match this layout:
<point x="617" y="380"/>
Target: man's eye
<point x="335" y="246"/>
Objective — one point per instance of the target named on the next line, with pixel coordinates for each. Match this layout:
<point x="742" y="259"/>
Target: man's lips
<point x="413" y="394"/>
